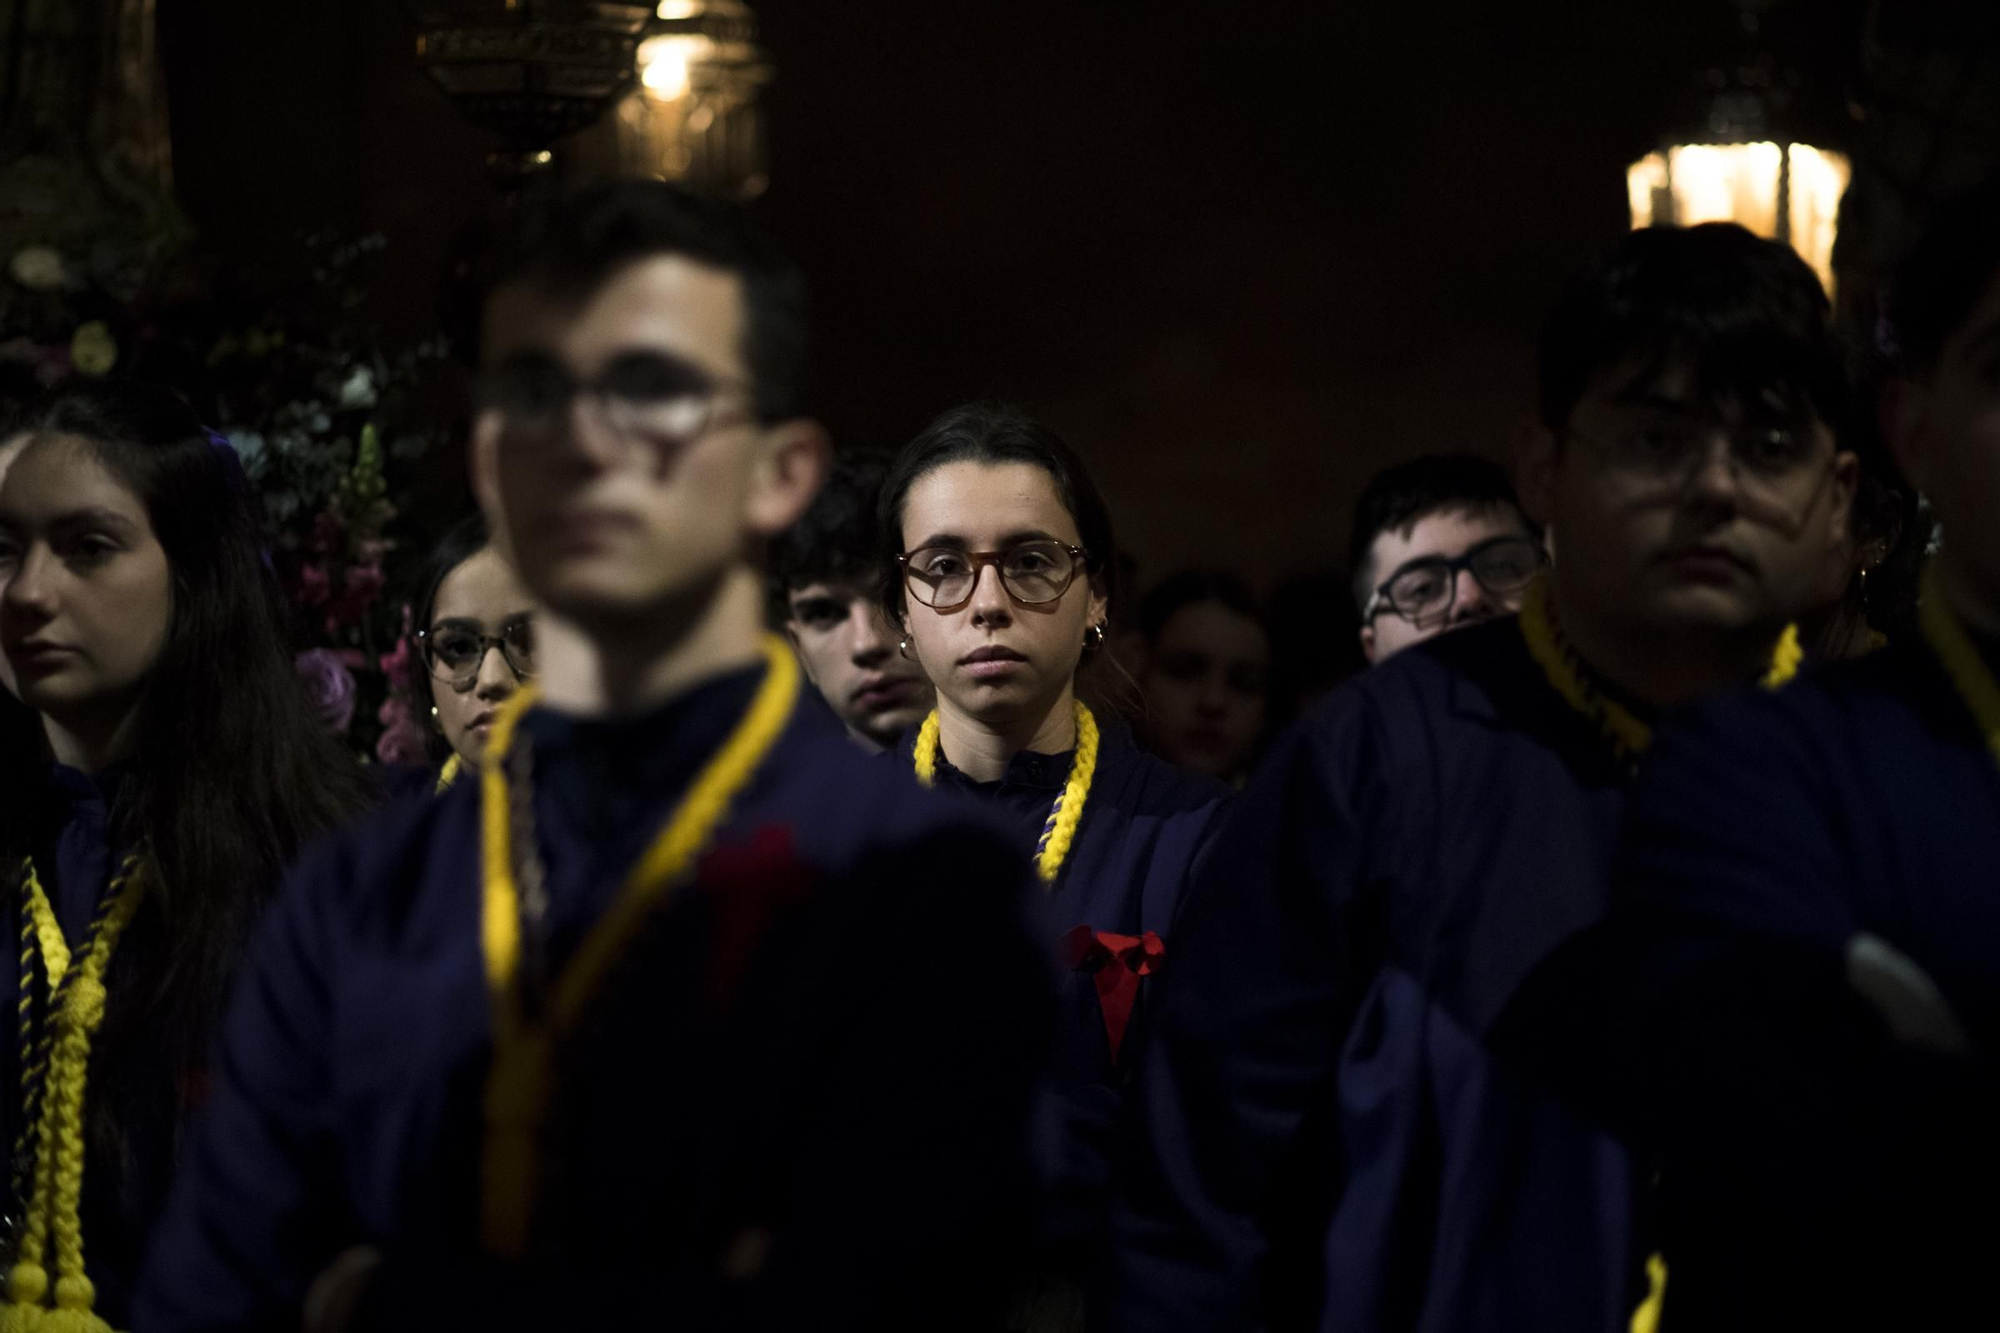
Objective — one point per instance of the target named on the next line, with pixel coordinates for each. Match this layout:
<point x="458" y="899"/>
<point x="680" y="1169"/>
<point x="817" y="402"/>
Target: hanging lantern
<point x="1734" y="167"/>
<point x="693" y="116"/>
<point x="1790" y="192"/>
<point x="531" y="71"/>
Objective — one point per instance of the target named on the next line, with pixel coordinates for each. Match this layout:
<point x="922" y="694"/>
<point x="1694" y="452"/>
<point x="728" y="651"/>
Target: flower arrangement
<point x="293" y="381"/>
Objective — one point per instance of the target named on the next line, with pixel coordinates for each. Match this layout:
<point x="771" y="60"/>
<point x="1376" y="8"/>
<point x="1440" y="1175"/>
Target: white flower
<point x="359" y="389"/>
<point x="39" y="268"/>
<point x="249" y="447"/>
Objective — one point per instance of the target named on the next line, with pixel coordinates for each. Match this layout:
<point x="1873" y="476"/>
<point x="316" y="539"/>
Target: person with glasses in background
<point x="1438" y="543"/>
<point x="1001" y="544"/>
<point x="475" y="636"/>
<point x="1795" y="1001"/>
<point x="644" y="1028"/>
<point x="1330" y="1139"/>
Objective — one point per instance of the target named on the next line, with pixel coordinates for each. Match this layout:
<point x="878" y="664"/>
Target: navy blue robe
<point x="1325" y="1139"/>
<point x="1145" y="825"/>
<point x="1815" y="1171"/>
<point x="123" y="1190"/>
<point x="801" y="1097"/>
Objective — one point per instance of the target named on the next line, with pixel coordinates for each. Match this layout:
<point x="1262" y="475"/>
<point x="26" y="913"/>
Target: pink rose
<point x="329" y="687"/>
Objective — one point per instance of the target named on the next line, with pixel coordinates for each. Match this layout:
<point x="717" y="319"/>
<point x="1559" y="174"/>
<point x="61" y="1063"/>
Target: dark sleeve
<point x="1712" y="1020"/>
<point x="1266" y="962"/>
<point x="258" y="1208"/>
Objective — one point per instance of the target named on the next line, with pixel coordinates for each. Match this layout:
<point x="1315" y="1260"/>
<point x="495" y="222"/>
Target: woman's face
<point x="996" y="659"/>
<point x="86" y="594"/>
<point x="479" y="600"/>
<point x="1205" y="680"/>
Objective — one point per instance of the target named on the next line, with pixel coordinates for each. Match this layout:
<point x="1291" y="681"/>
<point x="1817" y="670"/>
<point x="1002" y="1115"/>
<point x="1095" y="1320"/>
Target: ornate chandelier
<point x="1736" y="163"/>
<point x="693" y="115"/>
<point x="531" y="71"/>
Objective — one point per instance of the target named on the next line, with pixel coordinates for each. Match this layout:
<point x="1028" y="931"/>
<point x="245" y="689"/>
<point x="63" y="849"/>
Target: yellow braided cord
<point x="517" y="1089"/>
<point x="55" y="1210"/>
<point x="1960" y="658"/>
<point x="48" y="933"/>
<point x="1786" y="659"/>
<point x="1069" y="806"/>
<point x="1646" y="1319"/>
<point x="701" y="812"/>
<point x="24" y="1005"/>
<point x="499" y="919"/>
<point x="927" y="750"/>
<point x="449" y="774"/>
<point x="1629" y="736"/>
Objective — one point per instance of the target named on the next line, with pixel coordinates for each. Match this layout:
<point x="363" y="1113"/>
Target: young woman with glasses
<point x="161" y="767"/>
<point x="999" y="545"/>
<point x="476" y="639"/>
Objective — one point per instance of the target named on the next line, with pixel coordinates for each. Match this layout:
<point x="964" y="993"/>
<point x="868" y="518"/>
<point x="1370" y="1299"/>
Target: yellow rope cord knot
<point x="83" y="1007"/>
<point x="54" y="1212"/>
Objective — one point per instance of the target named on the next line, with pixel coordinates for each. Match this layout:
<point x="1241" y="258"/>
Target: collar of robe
<point x="1629" y="735"/>
<point x="1059" y="830"/>
<point x="519" y="1085"/>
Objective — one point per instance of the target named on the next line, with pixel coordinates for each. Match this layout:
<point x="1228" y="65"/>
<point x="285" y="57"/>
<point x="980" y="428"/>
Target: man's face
<point x="1445" y="535"/>
<point x="1946" y="432"/>
<point x="1673" y="512"/>
<point x="848" y="648"/>
<point x="616" y="450"/>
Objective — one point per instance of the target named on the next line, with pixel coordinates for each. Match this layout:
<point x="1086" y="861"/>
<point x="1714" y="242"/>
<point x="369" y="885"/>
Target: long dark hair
<point x="229" y="772"/>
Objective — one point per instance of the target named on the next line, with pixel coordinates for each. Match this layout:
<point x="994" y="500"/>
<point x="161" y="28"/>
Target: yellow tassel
<point x="75" y="1295"/>
<point x="21" y="1318"/>
<point x="54" y="1210"/>
<point x="27" y="1283"/>
<point x="449" y="774"/>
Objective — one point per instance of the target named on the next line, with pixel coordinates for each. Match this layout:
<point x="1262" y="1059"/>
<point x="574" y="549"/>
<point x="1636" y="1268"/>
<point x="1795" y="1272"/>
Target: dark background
<point x="1242" y="255"/>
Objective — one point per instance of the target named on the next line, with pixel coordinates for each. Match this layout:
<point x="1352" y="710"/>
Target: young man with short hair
<point x="1438" y="543"/>
<point x="823" y="590"/>
<point x="1796" y="1004"/>
<point x="646" y="1024"/>
<point x="1327" y="1138"/>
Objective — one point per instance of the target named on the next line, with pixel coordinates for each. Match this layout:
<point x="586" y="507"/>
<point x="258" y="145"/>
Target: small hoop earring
<point x="1093" y="638"/>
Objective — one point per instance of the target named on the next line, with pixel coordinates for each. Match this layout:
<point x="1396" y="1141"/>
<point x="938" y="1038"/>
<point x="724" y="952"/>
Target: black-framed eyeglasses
<point x="1425" y="587"/>
<point x="639" y="397"/>
<point x="1033" y="573"/>
<point x="454" y="653"/>
<point x="1777" y="469"/>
